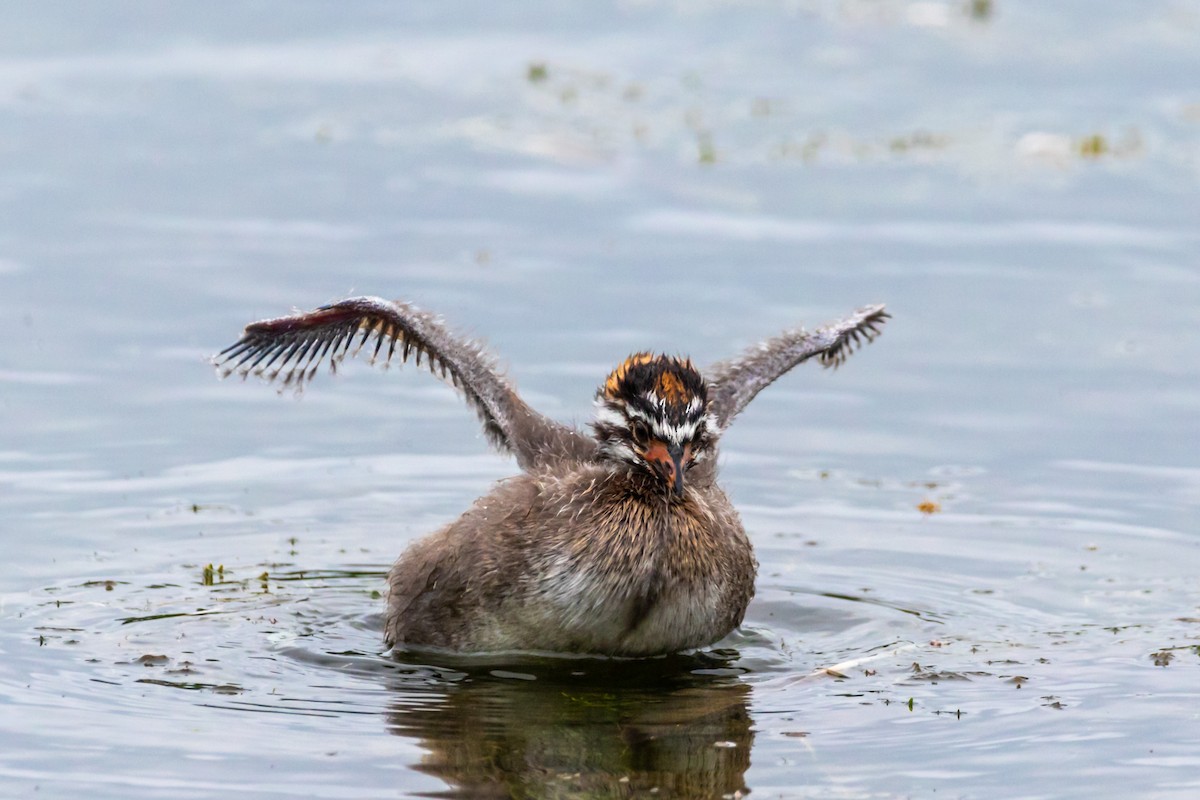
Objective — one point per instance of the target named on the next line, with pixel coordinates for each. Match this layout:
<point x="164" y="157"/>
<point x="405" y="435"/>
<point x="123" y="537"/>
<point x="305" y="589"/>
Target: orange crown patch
<point x="612" y="385"/>
<point x="667" y="378"/>
<point x="671" y="389"/>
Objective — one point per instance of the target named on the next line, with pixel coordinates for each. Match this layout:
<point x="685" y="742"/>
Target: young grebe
<point x="620" y="543"/>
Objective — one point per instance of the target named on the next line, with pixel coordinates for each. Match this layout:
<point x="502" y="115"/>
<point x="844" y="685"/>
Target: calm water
<point x="1019" y="181"/>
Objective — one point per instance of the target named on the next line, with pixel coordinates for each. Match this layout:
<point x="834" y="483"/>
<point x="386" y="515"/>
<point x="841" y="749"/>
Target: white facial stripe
<point x="674" y="434"/>
<point x="610" y="416"/>
<point x="622" y="451"/>
<point x="691" y="408"/>
<point x="637" y="414"/>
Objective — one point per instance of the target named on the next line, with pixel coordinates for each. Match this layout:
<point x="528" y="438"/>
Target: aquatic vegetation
<point x="537" y="73"/>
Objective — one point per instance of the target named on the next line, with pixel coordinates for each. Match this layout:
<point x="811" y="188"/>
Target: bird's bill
<point x="670" y="460"/>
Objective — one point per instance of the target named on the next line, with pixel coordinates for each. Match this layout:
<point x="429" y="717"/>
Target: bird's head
<point x="652" y="412"/>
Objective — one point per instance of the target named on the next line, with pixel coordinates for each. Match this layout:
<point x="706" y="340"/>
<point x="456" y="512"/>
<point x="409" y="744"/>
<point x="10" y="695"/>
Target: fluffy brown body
<point x="596" y="560"/>
<point x="616" y="543"/>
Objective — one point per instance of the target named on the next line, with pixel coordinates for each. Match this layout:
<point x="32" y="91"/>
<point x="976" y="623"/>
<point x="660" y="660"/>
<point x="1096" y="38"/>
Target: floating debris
<point x="980" y="10"/>
<point x="149" y="660"/>
<point x="1093" y="146"/>
<point x="1162" y="658"/>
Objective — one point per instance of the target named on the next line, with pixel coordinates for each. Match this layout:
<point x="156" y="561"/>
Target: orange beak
<point x="670" y="460"/>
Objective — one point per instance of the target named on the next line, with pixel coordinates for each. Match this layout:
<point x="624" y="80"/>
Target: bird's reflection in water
<point x="580" y="728"/>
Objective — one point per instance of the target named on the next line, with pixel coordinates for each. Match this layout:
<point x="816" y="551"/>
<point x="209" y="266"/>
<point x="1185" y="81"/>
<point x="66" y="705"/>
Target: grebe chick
<point x="620" y="543"/>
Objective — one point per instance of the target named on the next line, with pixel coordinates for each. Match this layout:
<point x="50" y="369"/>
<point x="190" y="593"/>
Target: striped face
<point x="652" y="411"/>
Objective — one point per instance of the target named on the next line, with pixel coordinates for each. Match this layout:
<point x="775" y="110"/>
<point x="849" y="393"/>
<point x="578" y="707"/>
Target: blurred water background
<point x="987" y="519"/>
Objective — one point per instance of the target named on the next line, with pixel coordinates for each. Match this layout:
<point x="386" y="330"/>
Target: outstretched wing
<point x="290" y="349"/>
<point x="734" y="383"/>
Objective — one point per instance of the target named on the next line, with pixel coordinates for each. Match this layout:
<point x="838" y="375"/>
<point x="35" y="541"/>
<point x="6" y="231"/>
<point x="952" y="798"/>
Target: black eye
<point x="639" y="430"/>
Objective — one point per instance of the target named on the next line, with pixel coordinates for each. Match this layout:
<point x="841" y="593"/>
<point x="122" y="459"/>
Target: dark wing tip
<point x="861" y="329"/>
<point x="288" y="350"/>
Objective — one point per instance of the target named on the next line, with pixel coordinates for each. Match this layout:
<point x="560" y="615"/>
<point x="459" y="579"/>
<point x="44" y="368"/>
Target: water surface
<point x="1017" y="180"/>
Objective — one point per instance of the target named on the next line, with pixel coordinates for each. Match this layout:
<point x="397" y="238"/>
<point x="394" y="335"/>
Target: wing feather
<point x="734" y="383"/>
<point x="288" y="350"/>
